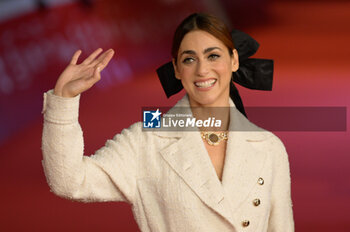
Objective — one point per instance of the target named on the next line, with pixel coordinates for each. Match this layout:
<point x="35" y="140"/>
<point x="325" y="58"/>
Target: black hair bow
<point x="252" y="73"/>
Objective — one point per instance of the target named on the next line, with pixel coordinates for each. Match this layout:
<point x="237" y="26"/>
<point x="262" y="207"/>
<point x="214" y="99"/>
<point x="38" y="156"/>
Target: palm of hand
<point x="77" y="78"/>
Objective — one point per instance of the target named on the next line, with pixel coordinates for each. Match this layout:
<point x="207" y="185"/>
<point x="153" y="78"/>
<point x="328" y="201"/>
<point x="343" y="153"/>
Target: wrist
<point x="57" y="92"/>
<point x="62" y="93"/>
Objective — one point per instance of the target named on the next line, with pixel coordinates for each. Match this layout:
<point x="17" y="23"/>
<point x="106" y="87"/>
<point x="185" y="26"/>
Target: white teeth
<point x="205" y="84"/>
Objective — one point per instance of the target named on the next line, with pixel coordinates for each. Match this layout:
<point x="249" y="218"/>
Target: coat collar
<point x="243" y="163"/>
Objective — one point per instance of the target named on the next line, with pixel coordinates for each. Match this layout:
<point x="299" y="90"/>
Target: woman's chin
<point x="203" y="101"/>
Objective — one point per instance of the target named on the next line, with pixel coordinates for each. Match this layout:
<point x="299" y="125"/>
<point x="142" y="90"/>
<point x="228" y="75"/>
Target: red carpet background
<point x="309" y="42"/>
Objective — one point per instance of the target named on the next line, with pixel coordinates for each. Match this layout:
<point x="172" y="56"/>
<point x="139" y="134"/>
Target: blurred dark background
<point x="308" y="41"/>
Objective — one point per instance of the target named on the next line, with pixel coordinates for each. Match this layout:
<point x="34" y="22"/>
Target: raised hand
<point x="77" y="78"/>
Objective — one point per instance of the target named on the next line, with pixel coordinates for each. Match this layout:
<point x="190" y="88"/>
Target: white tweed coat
<point x="168" y="177"/>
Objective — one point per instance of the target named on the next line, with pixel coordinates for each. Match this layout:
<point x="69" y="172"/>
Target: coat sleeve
<point x="108" y="175"/>
<point x="281" y="215"/>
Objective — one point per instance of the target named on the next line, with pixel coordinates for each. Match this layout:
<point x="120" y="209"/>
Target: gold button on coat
<point x="245" y="223"/>
<point x="261" y="181"/>
<point x="256" y="202"/>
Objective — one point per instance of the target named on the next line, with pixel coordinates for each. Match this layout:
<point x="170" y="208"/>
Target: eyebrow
<point x="191" y="52"/>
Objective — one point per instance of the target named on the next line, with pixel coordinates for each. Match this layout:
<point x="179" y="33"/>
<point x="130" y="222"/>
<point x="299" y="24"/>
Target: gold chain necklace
<point x="214" y="138"/>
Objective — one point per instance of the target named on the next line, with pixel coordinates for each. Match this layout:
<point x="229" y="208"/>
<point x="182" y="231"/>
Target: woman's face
<point x="205" y="67"/>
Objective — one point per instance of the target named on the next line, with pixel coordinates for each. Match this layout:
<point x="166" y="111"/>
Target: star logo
<point x="151" y="118"/>
<point x="156" y="115"/>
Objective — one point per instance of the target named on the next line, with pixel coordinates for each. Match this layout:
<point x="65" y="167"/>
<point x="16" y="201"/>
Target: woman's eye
<point x="188" y="60"/>
<point x="213" y="56"/>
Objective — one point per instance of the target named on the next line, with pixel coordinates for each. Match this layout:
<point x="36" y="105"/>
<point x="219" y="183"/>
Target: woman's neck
<point x="217" y="112"/>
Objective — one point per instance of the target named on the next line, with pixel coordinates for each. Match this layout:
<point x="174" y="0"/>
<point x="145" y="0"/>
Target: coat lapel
<point x="189" y="159"/>
<point x="244" y="159"/>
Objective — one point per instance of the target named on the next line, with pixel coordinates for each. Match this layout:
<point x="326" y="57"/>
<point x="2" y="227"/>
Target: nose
<point x="202" y="69"/>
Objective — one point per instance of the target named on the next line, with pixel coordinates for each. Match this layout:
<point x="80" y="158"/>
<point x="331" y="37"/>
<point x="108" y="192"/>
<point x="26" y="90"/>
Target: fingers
<point x="103" y="60"/>
<point x="95" y="77"/>
<point x="75" y="57"/>
<point x="92" y="56"/>
<point x="107" y="58"/>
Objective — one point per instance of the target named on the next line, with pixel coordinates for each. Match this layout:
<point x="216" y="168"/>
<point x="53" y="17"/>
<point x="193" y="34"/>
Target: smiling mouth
<point x="205" y="84"/>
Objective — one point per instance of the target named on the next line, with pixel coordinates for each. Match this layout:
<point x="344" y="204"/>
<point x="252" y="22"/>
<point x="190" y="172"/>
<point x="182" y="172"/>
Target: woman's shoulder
<point x="137" y="130"/>
<point x="270" y="138"/>
<point x="255" y="133"/>
<point x="251" y="130"/>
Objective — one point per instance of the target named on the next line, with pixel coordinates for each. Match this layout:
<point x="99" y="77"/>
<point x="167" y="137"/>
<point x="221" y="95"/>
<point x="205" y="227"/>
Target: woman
<point x="235" y="180"/>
